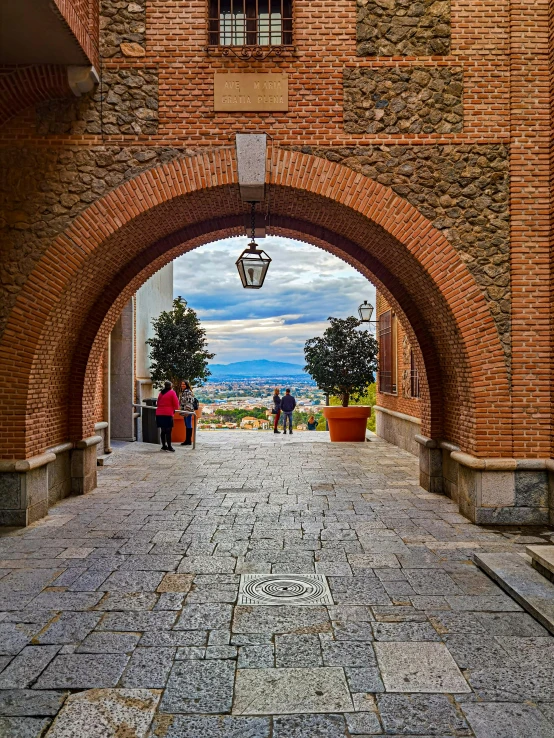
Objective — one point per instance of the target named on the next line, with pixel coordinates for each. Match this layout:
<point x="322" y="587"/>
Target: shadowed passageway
<point x="132" y="591"/>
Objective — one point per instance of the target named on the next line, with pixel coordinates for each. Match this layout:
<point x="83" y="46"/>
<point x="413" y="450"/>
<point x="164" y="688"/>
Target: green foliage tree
<point x="178" y="351"/>
<point x="343" y="361"/>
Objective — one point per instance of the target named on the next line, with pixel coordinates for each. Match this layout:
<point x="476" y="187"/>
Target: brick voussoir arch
<point x="213" y="174"/>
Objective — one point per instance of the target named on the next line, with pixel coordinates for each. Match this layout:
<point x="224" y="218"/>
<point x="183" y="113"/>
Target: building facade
<point x="398" y="407"/>
<point x="414" y="141"/>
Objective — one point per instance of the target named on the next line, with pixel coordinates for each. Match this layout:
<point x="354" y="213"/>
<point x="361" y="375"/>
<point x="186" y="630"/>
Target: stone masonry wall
<point x="122" y="28"/>
<point x="403" y="99"/>
<point x="42" y="190"/>
<point x="403" y="27"/>
<point x="125" y="103"/>
<point x="464" y="191"/>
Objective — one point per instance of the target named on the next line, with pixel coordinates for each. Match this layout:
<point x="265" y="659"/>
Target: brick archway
<point x="73" y="296"/>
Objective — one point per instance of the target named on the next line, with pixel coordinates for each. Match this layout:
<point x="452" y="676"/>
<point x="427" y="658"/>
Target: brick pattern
<point x="464" y="191"/>
<point x="325" y="42"/>
<point x="435" y="273"/>
<point x="402" y="401"/>
<point x="82" y="18"/>
<point x="145" y="223"/>
<point x="404" y="99"/>
<point x="125" y="102"/>
<point x="22" y="87"/>
<point x="403" y="27"/>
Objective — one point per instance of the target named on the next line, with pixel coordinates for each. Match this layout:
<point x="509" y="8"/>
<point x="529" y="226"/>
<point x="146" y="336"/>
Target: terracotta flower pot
<point x="347" y="424"/>
<point x="178" y="432"/>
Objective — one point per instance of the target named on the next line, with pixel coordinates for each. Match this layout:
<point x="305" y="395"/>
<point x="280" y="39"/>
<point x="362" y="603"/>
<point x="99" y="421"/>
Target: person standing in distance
<point x="189" y="403"/>
<point x="288" y="403"/>
<point x="167" y="403"/>
<point x="276" y="411"/>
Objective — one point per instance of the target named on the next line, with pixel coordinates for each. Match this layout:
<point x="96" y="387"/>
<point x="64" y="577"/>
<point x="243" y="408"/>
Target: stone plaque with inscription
<point x="251" y="92"/>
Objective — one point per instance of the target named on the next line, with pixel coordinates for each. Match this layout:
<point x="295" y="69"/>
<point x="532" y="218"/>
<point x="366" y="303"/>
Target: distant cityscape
<point x="245" y="402"/>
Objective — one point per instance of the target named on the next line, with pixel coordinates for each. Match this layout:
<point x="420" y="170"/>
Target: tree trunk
<point x="345" y="399"/>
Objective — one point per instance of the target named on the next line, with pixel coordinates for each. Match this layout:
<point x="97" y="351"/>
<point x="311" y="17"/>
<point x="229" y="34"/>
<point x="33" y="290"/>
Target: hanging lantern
<point x="253" y="263"/>
<point x="252" y="266"/>
<point x="365" y="311"/>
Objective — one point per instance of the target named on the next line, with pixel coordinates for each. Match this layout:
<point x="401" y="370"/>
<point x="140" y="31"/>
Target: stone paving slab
<point x="285" y="691"/>
<point x="133" y="589"/>
<point x="106" y="713"/>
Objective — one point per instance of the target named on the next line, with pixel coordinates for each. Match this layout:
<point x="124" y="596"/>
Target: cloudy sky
<point x="303" y="287"/>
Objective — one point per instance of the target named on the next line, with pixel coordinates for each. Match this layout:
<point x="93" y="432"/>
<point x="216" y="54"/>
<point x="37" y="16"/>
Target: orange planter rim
<point x="353" y="411"/>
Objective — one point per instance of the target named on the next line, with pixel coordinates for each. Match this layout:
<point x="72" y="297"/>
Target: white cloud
<point x="304" y="286"/>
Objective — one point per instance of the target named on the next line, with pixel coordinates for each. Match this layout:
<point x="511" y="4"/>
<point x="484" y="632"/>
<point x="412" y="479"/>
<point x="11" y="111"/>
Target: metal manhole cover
<point x="284" y="589"/>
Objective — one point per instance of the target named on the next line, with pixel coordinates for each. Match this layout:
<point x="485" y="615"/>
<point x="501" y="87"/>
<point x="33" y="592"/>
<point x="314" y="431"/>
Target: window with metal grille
<point x="414" y="376"/>
<point x="387" y="353"/>
<point x="250" y="23"/>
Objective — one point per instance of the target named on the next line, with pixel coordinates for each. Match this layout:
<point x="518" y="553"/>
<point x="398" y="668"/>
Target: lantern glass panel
<point x="366" y="311"/>
<point x="252" y="266"/>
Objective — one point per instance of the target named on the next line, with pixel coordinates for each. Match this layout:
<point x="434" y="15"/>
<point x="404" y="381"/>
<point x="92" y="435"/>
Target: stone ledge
<point x="61" y="448"/>
<point x="87" y="442"/>
<point x="100" y="426"/>
<point x="25" y="465"/>
<point x="395" y="414"/>
<point x="426" y="442"/>
<point x="500" y="464"/>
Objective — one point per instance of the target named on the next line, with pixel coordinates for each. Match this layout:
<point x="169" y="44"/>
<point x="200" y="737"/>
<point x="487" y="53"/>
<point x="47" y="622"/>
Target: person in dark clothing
<point x="312" y="423"/>
<point x="276" y="410"/>
<point x="288" y="403"/>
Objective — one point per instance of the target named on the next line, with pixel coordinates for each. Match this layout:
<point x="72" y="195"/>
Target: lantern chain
<point x="253" y="220"/>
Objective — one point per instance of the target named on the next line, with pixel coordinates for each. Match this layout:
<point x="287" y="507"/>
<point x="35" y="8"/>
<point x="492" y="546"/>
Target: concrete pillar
<point x="83" y="466"/>
<point x="430" y="464"/>
<point x="24" y="489"/>
<point x="122" y="376"/>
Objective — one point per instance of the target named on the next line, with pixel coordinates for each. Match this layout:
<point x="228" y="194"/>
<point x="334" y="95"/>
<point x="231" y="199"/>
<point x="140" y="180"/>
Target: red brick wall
<point x="69" y="284"/>
<point x="21" y="87"/>
<point x="82" y="18"/>
<point x="325" y="41"/>
<point x="399" y="402"/>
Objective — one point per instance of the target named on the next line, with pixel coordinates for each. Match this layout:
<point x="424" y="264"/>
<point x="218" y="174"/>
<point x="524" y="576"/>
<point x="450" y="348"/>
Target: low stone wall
<point x="503" y="491"/>
<point x="397" y="428"/>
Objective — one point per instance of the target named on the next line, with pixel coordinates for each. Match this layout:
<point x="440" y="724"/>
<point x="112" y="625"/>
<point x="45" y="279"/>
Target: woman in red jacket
<point x="168" y="402"/>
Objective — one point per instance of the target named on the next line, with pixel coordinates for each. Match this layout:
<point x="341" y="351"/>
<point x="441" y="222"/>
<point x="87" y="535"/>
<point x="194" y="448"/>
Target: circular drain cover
<point x="285" y="589"/>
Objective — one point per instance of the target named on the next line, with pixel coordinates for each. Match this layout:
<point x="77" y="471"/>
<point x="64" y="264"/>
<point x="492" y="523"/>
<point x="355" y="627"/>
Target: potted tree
<point x="178" y="351"/>
<point x="343" y="362"/>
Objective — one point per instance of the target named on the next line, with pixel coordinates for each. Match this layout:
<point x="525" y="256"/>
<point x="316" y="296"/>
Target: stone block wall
<point x="403" y="99"/>
<point x="403" y="27"/>
<point x="122" y="28"/>
<point x="125" y="103"/>
<point x="398" y="429"/>
<point x="464" y="190"/>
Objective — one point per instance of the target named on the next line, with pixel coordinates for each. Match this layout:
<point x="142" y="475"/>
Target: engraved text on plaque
<point x="251" y="92"/>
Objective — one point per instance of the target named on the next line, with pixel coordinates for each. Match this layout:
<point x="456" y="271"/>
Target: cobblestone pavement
<point x="119" y="611"/>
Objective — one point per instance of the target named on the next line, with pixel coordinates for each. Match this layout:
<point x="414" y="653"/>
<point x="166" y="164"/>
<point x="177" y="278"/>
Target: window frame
<point x="388" y="359"/>
<point x="415" y="388"/>
<point x="254" y="27"/>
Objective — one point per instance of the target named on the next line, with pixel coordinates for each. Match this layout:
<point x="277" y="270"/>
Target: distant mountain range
<point x="256" y="368"/>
